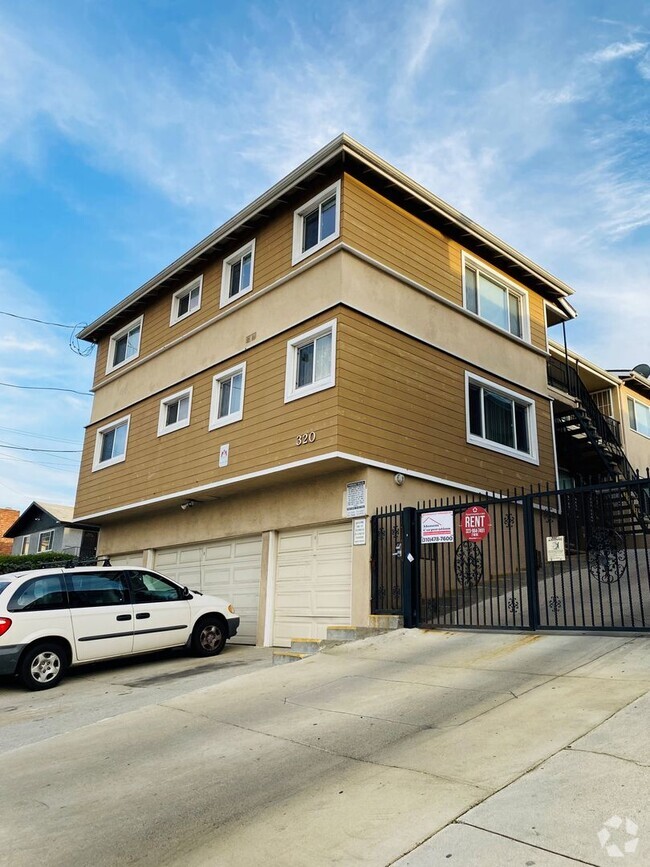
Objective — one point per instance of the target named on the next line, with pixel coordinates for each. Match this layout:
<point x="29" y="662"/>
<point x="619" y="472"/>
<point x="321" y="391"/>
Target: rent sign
<point x="475" y="524"/>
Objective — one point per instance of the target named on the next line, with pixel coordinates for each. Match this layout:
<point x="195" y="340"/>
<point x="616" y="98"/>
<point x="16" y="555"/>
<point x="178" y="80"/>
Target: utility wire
<point x="54" y="451"/>
<point x="31" y="319"/>
<point x="30" y="433"/>
<point x="45" y="388"/>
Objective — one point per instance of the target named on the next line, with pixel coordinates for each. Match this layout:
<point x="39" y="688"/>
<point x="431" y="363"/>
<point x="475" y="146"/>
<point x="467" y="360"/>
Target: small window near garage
<point x="124" y="345"/>
<point x="311" y="361"/>
<point x="639" y="414"/>
<point x="316" y="223"/>
<point x="45" y="541"/>
<point x="237" y="274"/>
<point x="24" y="545"/>
<point x="227" y="405"/>
<point x="175" y="412"/>
<point x="500" y="419"/>
<point x="491" y="297"/>
<point x="186" y="301"/>
<point x="110" y="444"/>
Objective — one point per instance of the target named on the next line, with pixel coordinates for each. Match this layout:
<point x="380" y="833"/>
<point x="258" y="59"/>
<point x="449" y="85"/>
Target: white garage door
<point x="230" y="569"/>
<point x="127" y="559"/>
<point x="313" y="588"/>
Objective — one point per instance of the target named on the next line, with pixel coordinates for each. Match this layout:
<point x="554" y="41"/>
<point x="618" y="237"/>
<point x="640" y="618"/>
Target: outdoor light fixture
<point x="399" y="478"/>
<point x="188" y="505"/>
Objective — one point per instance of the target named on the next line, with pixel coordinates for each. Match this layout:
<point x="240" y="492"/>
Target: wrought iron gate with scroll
<point x="566" y="559"/>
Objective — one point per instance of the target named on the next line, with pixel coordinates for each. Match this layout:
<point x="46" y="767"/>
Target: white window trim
<point x="228" y="262"/>
<point x="100" y="465"/>
<point x="215" y="421"/>
<point x="164" y="428"/>
<point x="49" y="533"/>
<point x="629" y="420"/>
<point x="473" y="439"/>
<point x="507" y="284"/>
<point x="290" y="390"/>
<point x="298" y="254"/>
<point x="110" y="367"/>
<point x="180" y="293"/>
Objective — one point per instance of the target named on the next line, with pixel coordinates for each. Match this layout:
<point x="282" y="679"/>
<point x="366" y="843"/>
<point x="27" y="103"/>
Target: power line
<point x="68" y="469"/>
<point x="45" y="388"/>
<point x="30" y="433"/>
<point x="52" y="451"/>
<point x="31" y="319"/>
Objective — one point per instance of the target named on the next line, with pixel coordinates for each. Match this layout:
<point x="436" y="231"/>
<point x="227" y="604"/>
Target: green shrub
<point x="24" y="562"/>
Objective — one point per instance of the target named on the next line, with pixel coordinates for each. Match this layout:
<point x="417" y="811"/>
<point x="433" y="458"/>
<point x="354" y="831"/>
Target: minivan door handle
<point x="123" y="617"/>
<point x="142" y="615"/>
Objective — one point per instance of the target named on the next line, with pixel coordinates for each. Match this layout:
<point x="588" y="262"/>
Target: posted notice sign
<point x="436" y="527"/>
<point x="475" y="524"/>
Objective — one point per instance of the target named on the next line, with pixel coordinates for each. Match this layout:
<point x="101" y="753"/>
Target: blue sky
<point x="130" y="130"/>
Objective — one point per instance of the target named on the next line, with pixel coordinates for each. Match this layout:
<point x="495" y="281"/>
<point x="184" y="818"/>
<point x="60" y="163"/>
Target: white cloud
<point x="617" y="51"/>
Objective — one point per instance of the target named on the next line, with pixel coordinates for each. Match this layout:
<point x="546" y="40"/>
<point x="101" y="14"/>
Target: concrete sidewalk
<point x="519" y="746"/>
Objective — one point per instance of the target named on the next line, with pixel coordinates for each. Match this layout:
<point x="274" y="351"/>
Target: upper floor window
<point x="500" y="419"/>
<point x="639" y="414"/>
<point x="495" y="300"/>
<point x="316" y="223"/>
<point x="124" y="345"/>
<point x="175" y="412"/>
<point x="110" y="445"/>
<point x="45" y="541"/>
<point x="187" y="300"/>
<point x="227" y="403"/>
<point x="603" y="400"/>
<point x="311" y="361"/>
<point x="237" y="275"/>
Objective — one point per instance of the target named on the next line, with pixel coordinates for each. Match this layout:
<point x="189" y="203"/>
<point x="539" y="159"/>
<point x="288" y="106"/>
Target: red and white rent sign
<point x="475" y="524"/>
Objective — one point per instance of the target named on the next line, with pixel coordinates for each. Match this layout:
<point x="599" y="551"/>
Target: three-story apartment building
<point x="345" y="341"/>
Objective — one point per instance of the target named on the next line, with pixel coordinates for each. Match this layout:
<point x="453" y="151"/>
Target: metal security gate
<point x="564" y="559"/>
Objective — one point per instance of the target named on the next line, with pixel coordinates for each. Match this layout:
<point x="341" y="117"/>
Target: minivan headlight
<point x="231" y="608"/>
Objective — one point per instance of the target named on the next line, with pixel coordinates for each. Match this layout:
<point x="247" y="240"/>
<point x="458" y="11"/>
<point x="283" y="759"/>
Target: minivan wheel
<point x="42" y="666"/>
<point x="209" y="636"/>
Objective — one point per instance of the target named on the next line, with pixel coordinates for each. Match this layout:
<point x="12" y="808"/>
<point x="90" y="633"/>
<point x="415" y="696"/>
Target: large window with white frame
<point x="186" y="300"/>
<point x="45" y="541"/>
<point x="639" y="415"/>
<point x="124" y="345"/>
<point x="495" y="299"/>
<point x="227" y="404"/>
<point x="110" y="443"/>
<point x="237" y="274"/>
<point x="316" y="223"/>
<point x="500" y="419"/>
<point x="175" y="412"/>
<point x="311" y="362"/>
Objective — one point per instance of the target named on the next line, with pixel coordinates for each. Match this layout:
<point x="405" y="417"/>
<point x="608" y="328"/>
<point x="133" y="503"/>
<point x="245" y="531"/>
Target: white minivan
<point x="51" y="619"/>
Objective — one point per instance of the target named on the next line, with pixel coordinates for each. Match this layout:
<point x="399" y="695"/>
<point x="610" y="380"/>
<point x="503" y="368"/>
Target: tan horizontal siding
<point x="398" y="239"/>
<point x="264" y="438"/>
<point x="403" y="403"/>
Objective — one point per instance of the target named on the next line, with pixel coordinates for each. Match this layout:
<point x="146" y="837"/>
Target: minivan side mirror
<point x="186" y="593"/>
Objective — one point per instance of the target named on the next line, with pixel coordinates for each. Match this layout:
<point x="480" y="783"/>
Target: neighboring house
<point x="602" y="418"/>
<point x="7" y="517"/>
<point x="46" y="527"/>
<point x="346" y="341"/>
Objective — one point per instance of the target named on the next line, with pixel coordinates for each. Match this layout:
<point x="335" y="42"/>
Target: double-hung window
<point x="237" y="274"/>
<point x="495" y="300"/>
<point x="45" y="541"/>
<point x="110" y="445"/>
<point x="175" y="412"/>
<point x="500" y="419"/>
<point x="186" y="300"/>
<point x="124" y="345"/>
<point x="639" y="414"/>
<point x="227" y="403"/>
<point x="316" y="223"/>
<point x="311" y="361"/>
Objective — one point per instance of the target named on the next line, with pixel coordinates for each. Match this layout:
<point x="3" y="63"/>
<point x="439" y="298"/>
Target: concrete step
<point x="352" y="633"/>
<point x="311" y="645"/>
<point x="281" y="657"/>
<point x="387" y="621"/>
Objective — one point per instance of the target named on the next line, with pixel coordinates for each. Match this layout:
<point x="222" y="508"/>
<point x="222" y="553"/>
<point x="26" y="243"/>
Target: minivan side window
<point x="94" y="589"/>
<point x="148" y="587"/>
<point x="45" y="593"/>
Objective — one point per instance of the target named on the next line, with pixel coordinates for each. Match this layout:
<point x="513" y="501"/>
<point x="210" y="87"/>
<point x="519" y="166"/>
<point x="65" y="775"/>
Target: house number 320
<point x="303" y="439"/>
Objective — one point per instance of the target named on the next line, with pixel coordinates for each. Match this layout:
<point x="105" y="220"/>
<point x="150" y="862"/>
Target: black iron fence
<point x="532" y="559"/>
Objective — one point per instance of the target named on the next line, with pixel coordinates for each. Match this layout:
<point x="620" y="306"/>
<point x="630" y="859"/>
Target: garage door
<point x="313" y="588"/>
<point x="230" y="569"/>
<point x="127" y="559"/>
